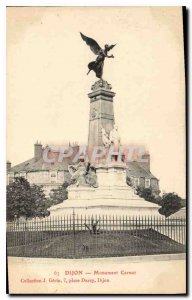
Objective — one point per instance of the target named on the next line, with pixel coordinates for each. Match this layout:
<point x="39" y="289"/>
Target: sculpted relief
<point x="83" y="174"/>
<point x="111" y="139"/>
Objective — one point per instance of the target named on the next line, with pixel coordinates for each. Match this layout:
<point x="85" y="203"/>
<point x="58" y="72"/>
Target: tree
<point x="25" y="200"/>
<point x="147" y="194"/>
<point x="58" y="195"/>
<point x="41" y="203"/>
<point x="170" y="203"/>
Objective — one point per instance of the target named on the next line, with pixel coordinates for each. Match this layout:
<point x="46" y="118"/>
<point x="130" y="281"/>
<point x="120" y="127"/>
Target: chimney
<point x="145" y="165"/>
<point x="38" y="150"/>
<point x="8" y="165"/>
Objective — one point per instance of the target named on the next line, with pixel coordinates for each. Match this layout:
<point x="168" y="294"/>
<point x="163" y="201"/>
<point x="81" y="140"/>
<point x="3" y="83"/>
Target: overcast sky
<point x="47" y="85"/>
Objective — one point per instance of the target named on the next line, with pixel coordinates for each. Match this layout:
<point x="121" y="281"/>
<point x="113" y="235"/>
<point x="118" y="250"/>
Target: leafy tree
<point x="41" y="203"/>
<point x="25" y="200"/>
<point x="170" y="203"/>
<point x="58" y="195"/>
<point x="147" y="194"/>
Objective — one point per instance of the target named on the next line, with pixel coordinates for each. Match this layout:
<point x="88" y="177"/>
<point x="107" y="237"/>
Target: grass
<point x="83" y="244"/>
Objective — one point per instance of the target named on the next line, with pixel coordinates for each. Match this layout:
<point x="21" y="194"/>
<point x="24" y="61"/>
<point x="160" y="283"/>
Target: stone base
<point x="112" y="193"/>
<point x="112" y="197"/>
<point x="103" y="207"/>
<point x="111" y="185"/>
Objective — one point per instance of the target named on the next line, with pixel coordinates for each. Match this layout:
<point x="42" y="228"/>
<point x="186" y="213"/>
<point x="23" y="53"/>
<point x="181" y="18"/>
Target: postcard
<point x="96" y="150"/>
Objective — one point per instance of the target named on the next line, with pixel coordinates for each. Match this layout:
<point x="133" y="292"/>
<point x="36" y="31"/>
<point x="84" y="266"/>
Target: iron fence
<point x="76" y="236"/>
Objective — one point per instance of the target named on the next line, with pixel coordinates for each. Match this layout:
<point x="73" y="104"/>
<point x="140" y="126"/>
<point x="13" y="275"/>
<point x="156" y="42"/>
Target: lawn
<point x="83" y="244"/>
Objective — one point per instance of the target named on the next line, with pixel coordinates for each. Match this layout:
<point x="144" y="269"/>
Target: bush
<point x="147" y="194"/>
<point x="170" y="203"/>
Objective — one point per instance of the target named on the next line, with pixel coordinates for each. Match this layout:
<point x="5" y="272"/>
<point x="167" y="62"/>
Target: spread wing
<point x="91" y="43"/>
<point x="111" y="47"/>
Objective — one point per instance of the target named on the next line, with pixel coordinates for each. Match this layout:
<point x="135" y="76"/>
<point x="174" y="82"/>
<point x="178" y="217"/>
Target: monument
<point x="99" y="186"/>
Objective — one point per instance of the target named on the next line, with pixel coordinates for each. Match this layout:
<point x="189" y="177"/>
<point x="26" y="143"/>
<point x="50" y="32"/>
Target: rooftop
<point x="32" y="165"/>
<point x="134" y="169"/>
<point x="179" y="214"/>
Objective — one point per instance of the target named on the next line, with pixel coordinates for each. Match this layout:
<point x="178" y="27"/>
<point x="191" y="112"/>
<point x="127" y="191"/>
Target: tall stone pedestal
<point x="101" y="112"/>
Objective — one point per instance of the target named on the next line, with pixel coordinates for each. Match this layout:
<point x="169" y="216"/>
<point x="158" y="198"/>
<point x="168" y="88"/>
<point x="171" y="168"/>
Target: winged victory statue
<point x="97" y="65"/>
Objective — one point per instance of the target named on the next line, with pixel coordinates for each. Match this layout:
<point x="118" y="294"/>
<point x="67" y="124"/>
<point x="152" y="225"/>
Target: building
<point x="37" y="171"/>
<point x="139" y="175"/>
<point x="53" y="175"/>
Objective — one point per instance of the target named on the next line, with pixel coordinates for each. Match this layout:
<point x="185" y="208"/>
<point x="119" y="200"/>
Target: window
<point x="147" y="183"/>
<point x="136" y="181"/>
<point x="53" y="178"/>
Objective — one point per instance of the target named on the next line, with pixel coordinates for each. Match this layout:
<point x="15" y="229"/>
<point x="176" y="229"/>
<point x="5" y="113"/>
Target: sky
<point x="47" y="85"/>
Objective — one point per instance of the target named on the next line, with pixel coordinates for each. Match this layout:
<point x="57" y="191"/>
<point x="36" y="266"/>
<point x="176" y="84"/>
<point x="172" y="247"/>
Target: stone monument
<point x="100" y="187"/>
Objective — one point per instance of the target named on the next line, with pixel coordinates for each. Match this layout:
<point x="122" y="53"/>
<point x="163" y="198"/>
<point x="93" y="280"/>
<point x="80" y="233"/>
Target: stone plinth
<point x="112" y="185"/>
<point x="112" y="197"/>
<point x="111" y="175"/>
<point x="103" y="207"/>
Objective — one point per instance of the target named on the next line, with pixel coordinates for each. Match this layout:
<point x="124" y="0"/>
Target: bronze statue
<point x="97" y="65"/>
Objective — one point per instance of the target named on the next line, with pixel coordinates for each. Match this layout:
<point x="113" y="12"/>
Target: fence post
<point x="25" y="239"/>
<point x="74" y="245"/>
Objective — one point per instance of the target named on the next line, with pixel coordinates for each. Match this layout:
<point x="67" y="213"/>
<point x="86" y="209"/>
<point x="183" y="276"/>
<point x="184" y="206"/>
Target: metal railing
<point x="76" y="236"/>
